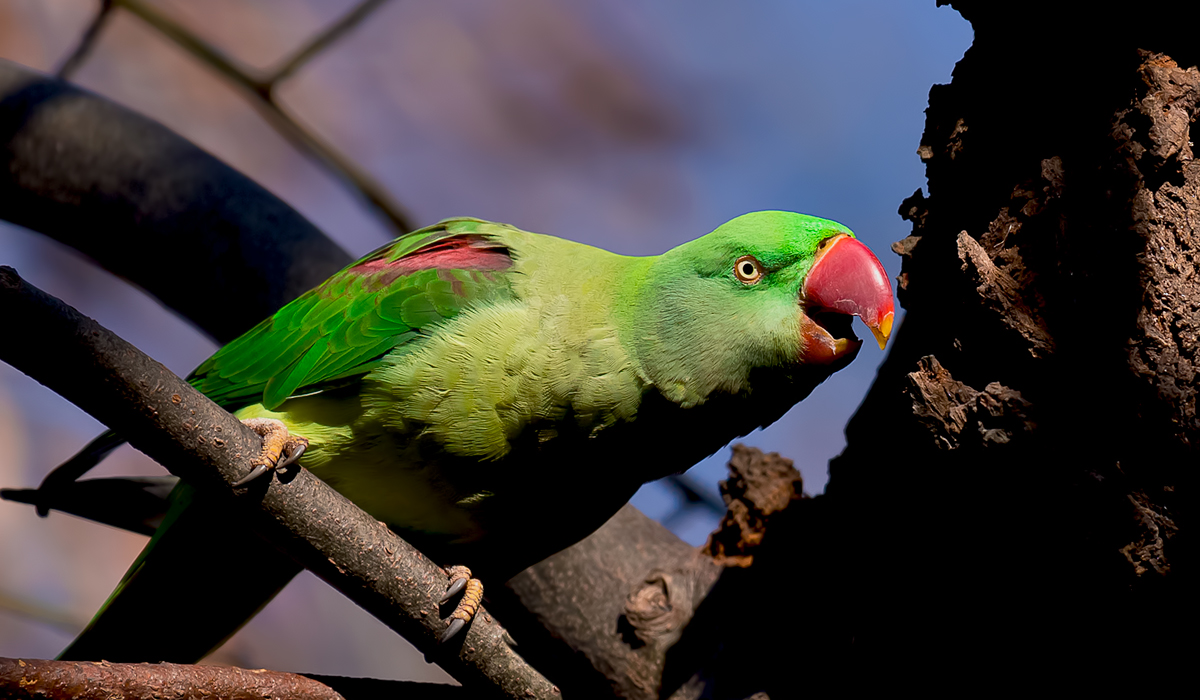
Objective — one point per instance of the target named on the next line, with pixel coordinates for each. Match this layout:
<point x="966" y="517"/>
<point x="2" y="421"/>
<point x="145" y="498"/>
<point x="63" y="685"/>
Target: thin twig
<point x="80" y="164"/>
<point x="86" y="42"/>
<point x="262" y="99"/>
<point x="331" y="34"/>
<point x="171" y="422"/>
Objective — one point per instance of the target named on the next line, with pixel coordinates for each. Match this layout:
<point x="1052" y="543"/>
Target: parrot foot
<point x="472" y="593"/>
<point x="280" y="448"/>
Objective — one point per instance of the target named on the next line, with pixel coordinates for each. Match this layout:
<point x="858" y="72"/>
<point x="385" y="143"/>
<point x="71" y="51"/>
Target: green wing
<point x="343" y="328"/>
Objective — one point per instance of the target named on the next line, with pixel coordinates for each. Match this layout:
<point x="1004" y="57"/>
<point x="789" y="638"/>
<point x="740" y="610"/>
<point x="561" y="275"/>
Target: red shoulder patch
<point x="465" y="252"/>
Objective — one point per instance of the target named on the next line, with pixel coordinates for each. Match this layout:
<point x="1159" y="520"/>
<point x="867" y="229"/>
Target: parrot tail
<point x="199" y="579"/>
<point x="196" y="582"/>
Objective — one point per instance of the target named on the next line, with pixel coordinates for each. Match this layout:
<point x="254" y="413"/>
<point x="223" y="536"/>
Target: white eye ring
<point x="747" y="270"/>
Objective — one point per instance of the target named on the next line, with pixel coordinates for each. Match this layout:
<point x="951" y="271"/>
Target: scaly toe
<point x="280" y="448"/>
<point x="472" y="594"/>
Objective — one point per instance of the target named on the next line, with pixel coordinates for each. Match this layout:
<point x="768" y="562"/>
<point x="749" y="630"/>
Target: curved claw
<point x="257" y="471"/>
<point x="456" y="626"/>
<point x="455" y="588"/>
<point x="461" y="582"/>
<point x="292" y="456"/>
<point x="280" y="448"/>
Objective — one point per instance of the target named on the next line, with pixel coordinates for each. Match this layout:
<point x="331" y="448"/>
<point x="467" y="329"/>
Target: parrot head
<point x="767" y="289"/>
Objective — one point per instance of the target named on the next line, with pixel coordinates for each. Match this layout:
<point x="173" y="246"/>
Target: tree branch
<point x="32" y="679"/>
<point x="198" y="441"/>
<point x="174" y="218"/>
<point x="39" y="679"/>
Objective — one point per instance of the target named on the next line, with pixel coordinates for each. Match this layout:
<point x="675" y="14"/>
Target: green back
<point x="343" y="328"/>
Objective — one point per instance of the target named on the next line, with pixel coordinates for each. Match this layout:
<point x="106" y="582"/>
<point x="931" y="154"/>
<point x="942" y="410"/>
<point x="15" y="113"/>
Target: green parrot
<point x="495" y="395"/>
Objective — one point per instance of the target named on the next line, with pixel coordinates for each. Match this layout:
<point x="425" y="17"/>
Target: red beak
<point x="845" y="280"/>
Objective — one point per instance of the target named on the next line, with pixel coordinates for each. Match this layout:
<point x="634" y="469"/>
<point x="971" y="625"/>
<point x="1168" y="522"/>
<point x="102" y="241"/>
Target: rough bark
<point x="636" y="587"/>
<point x="759" y="487"/>
<point x="30" y="679"/>
<point x="39" y="679"/>
<point x="1018" y="487"/>
<point x="746" y="640"/>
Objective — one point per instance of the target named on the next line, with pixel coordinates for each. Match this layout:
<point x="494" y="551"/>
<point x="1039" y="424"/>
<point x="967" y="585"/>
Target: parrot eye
<point x="747" y="269"/>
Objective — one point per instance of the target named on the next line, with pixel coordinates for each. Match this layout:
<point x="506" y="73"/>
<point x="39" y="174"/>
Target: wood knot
<point x="650" y="612"/>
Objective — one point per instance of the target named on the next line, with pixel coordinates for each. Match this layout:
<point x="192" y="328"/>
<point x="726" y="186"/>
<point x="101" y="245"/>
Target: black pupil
<point x="747" y="269"/>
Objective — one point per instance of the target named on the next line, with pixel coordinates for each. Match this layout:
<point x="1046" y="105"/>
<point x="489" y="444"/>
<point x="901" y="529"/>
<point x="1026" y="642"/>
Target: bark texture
<point x="759" y="487"/>
<point x="635" y="589"/>
<point x="1019" y="486"/>
<point x="39" y="679"/>
<point x="30" y="679"/>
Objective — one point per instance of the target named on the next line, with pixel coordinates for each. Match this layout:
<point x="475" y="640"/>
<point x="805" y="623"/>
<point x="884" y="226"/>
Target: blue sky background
<point x="631" y="126"/>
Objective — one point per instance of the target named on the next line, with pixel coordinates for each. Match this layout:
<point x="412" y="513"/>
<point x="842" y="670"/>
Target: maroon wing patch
<point x="462" y="252"/>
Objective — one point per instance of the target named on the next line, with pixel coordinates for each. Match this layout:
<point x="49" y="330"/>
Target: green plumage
<point x="494" y="395"/>
<point x="343" y="328"/>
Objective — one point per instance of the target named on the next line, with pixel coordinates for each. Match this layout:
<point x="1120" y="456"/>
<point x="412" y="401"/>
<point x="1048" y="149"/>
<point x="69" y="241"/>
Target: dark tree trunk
<point x="1019" y="485"/>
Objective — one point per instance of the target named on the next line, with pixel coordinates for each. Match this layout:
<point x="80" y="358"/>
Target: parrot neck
<point x="687" y="349"/>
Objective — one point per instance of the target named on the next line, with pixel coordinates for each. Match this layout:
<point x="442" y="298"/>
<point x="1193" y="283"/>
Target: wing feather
<point x="378" y="305"/>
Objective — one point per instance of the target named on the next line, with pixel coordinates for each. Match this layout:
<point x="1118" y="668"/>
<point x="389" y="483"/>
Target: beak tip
<point x="884" y="330"/>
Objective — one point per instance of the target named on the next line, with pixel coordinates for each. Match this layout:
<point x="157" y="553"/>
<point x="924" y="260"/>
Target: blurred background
<point x="630" y="126"/>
